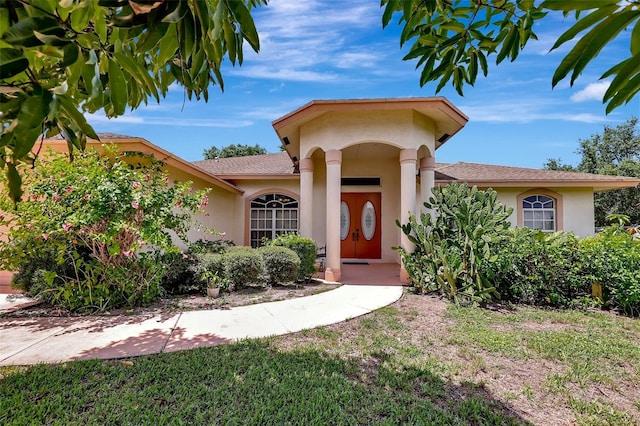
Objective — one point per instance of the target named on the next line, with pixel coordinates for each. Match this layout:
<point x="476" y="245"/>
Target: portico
<point x="363" y="164"/>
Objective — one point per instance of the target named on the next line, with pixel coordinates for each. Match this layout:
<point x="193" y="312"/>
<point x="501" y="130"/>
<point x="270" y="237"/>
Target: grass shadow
<point x="245" y="383"/>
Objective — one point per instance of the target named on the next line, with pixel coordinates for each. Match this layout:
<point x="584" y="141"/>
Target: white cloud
<point x="169" y="121"/>
<point x="526" y="111"/>
<point x="314" y="41"/>
<point x="593" y="92"/>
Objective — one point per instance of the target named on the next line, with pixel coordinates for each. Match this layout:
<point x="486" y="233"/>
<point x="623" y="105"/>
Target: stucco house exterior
<point x="350" y="168"/>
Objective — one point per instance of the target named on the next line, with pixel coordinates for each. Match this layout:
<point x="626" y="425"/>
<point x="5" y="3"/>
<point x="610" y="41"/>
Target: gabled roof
<point x="505" y="176"/>
<point x="448" y="119"/>
<point x="130" y="143"/>
<point x="253" y="166"/>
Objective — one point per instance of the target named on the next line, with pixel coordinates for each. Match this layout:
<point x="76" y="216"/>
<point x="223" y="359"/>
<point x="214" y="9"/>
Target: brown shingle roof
<point x="490" y="175"/>
<point x="480" y="172"/>
<point x="473" y="173"/>
<point x="268" y="164"/>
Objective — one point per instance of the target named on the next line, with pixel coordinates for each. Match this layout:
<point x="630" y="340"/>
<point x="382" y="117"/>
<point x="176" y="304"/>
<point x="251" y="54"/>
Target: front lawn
<point x="419" y="361"/>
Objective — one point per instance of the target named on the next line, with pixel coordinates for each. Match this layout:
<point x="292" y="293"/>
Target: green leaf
<point x="117" y="88"/>
<point x="22" y="33"/>
<point x="391" y="7"/>
<point x="51" y="39"/>
<point x="14" y="182"/>
<point x="583" y="24"/>
<point x="591" y="44"/>
<point x="569" y="5"/>
<point x="70" y="55"/>
<point x="625" y="94"/>
<point x="247" y="27"/>
<point x="635" y="39"/>
<point x="624" y="72"/>
<point x="138" y="72"/>
<point x="12" y="62"/>
<point x="76" y="116"/>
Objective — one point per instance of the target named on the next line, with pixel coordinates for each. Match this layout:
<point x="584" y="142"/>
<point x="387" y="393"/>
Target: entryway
<point x="360" y="236"/>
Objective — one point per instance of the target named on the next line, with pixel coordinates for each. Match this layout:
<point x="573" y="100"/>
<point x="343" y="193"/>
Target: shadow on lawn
<point x="251" y="382"/>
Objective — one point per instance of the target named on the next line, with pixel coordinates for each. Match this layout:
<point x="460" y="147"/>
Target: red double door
<point x="360" y="236"/>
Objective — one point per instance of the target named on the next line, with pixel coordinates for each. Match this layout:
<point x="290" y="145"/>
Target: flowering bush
<point x="100" y="222"/>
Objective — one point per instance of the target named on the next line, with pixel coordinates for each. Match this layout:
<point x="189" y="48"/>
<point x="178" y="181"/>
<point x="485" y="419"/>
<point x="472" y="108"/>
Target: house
<point x="350" y="168"/>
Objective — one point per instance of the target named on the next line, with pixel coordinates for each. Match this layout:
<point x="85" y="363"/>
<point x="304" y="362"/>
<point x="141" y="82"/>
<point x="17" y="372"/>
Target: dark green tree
<point x="61" y="59"/>
<point x="233" y="150"/>
<point x="453" y="39"/>
<point x="614" y="152"/>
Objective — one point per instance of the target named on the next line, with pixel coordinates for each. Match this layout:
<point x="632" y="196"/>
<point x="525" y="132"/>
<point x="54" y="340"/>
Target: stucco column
<point x="408" y="160"/>
<point x="427" y="182"/>
<point x="333" y="159"/>
<point x="306" y="197"/>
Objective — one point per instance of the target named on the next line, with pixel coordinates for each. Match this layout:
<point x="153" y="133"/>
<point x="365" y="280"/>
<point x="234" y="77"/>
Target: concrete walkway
<point x="26" y="341"/>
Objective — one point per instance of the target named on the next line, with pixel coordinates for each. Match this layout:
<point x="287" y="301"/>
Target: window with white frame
<point x="539" y="212"/>
<point x="272" y="215"/>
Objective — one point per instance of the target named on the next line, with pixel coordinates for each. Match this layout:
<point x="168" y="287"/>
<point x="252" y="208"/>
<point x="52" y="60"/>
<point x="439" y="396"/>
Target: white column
<point x="408" y="160"/>
<point x="306" y="197"/>
<point x="333" y="159"/>
<point x="427" y="182"/>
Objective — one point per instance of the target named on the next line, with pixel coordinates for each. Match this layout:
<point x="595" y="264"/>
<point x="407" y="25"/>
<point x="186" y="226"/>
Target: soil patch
<point x="191" y="302"/>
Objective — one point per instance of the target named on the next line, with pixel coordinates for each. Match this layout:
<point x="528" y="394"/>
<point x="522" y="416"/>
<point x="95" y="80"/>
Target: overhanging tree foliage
<point x="60" y="59"/>
<point x="453" y="39"/>
<point x="233" y="150"/>
<point x="614" y="152"/>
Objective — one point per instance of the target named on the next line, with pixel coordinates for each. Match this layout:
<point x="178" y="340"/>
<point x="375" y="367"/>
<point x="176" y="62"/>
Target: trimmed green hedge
<point x="281" y="264"/>
<point x="305" y="248"/>
<point x="242" y="266"/>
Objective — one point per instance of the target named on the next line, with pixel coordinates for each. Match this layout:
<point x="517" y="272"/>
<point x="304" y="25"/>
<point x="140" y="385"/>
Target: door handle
<point x="357" y="235"/>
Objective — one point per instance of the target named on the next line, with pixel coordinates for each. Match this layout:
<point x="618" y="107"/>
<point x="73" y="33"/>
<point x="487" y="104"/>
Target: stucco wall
<point x="253" y="188"/>
<point x="577" y="207"/>
<point x="338" y="130"/>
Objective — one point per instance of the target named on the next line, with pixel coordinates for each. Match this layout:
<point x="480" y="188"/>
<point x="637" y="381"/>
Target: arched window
<point x="272" y="215"/>
<point x="539" y="212"/>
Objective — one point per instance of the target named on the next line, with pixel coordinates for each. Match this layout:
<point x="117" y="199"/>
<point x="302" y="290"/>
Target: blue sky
<point x="323" y="49"/>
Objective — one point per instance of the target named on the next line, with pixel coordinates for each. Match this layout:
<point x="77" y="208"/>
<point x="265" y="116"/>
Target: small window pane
<point x="271" y="215"/>
<point x="538" y="212"/>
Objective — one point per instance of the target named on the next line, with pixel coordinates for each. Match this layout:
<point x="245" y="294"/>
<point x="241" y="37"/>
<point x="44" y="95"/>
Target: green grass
<point x="593" y="346"/>
<point x="245" y="383"/>
<point x="382" y="368"/>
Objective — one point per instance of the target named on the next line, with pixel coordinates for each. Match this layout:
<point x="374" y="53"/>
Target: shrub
<point x="204" y="266"/>
<point x="92" y="218"/>
<point x="452" y="249"/>
<point x="242" y="266"/>
<point x="178" y="277"/>
<point x="538" y="268"/>
<point x="210" y="246"/>
<point x="612" y="259"/>
<point x="304" y="247"/>
<point x="281" y="265"/>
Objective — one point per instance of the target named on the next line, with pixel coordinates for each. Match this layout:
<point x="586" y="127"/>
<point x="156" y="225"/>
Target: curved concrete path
<point x="26" y="341"/>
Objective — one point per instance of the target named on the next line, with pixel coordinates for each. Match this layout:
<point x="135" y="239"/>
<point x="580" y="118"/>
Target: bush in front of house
<point x="538" y="268"/>
<point x="209" y="246"/>
<point x="243" y="265"/>
<point x="611" y="259"/>
<point x="454" y="247"/>
<point x="281" y="264"/>
<point x="97" y="227"/>
<point x="304" y="247"/>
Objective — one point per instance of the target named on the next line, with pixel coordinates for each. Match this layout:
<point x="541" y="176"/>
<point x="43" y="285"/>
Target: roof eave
<point x="254" y="176"/>
<point x="134" y="144"/>
<point x="449" y="119"/>
<point x="597" y="186"/>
